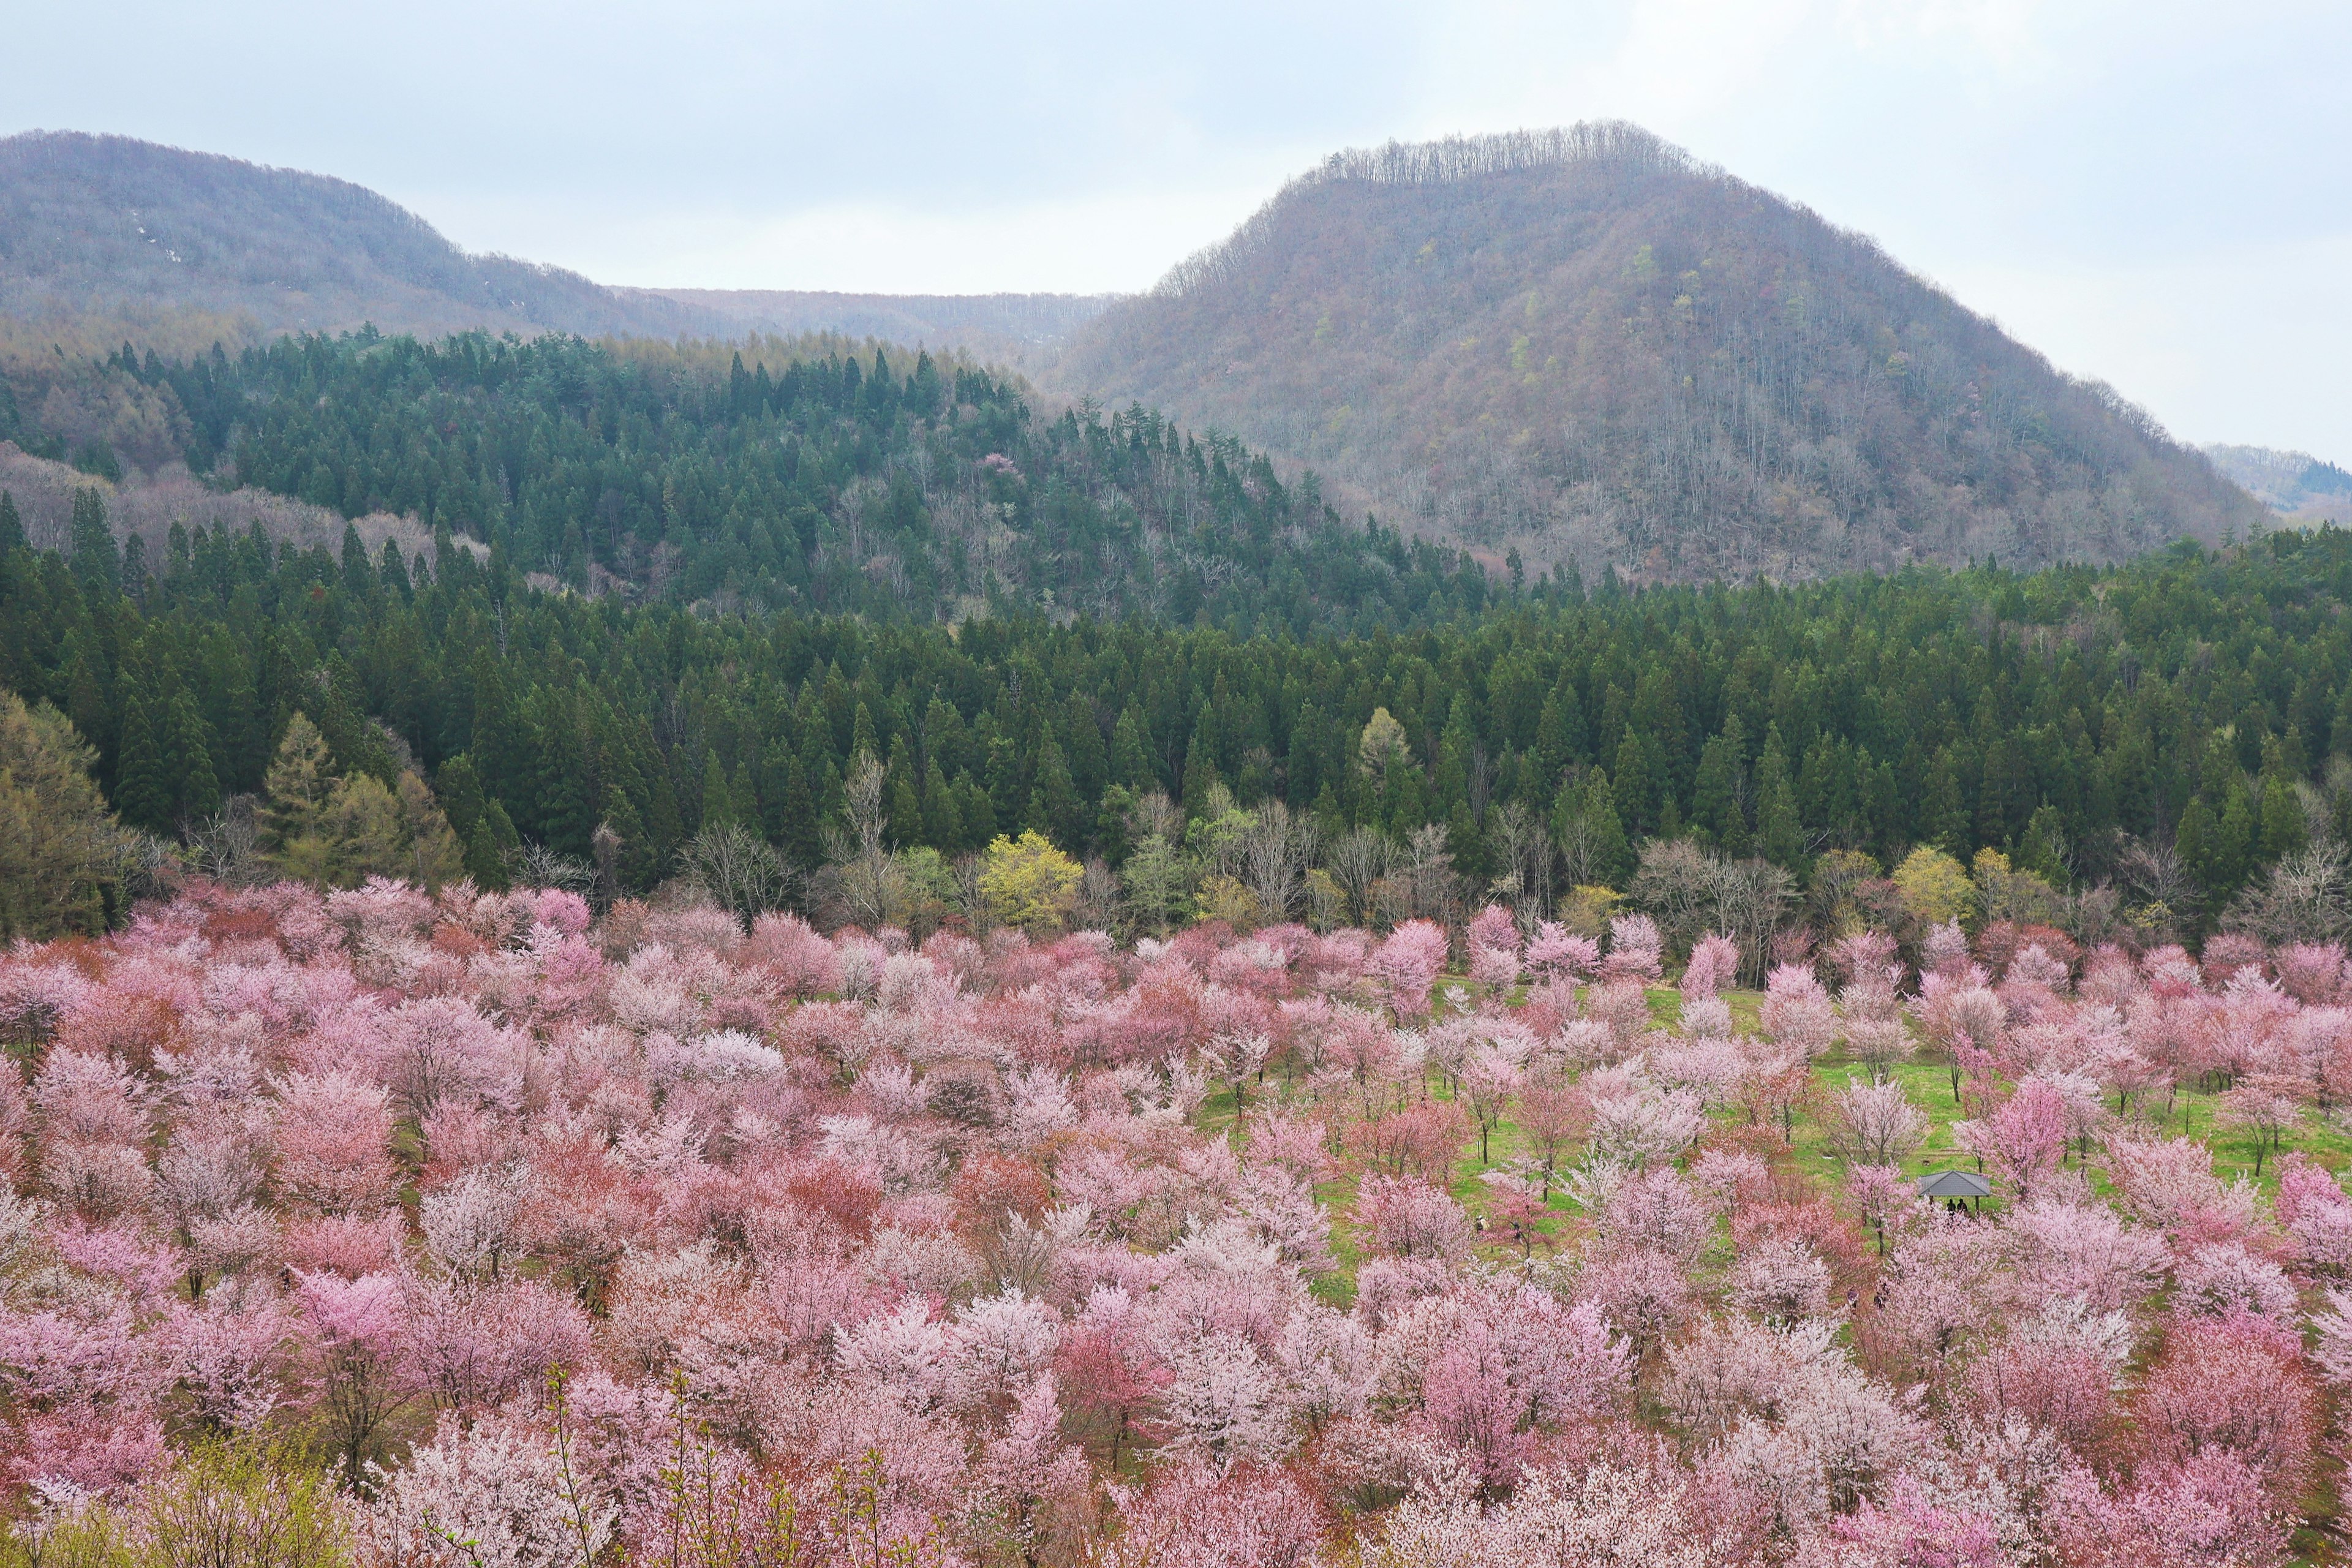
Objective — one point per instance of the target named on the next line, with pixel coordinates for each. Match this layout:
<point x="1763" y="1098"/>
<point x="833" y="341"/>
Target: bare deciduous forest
<point x="1583" y="343"/>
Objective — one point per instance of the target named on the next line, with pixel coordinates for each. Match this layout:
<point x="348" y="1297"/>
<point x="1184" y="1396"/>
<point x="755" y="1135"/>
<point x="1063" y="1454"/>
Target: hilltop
<point x="1585" y="345"/>
<point x="100" y="224"/>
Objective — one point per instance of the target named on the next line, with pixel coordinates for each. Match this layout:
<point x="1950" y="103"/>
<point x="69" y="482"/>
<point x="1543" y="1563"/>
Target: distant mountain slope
<point x="1005" y="329"/>
<point x="103" y="225"/>
<point x="1584" y="343"/>
<point x="2292" y="484"/>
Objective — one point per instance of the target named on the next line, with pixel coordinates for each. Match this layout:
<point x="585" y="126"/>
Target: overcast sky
<point x="2155" y="193"/>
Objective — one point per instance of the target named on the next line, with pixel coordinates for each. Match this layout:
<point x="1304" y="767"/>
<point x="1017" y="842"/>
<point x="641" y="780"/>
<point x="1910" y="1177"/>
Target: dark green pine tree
<point x="2193" y="841"/>
<point x="1943" y="809"/>
<point x="1560" y="735"/>
<point x="796" y="831"/>
<point x="718" y="805"/>
<point x="97" y="563"/>
<point x="1716" y="789"/>
<point x="1083" y="748"/>
<point x="1053" y="808"/>
<point x="976" y="810"/>
<point x="2282" y="826"/>
<point x="187" y="759"/>
<point x="1612" y="853"/>
<point x="2236" y="839"/>
<point x="1131" y="752"/>
<point x="1635" y="782"/>
<point x="484" y="861"/>
<point x="142" y="787"/>
<point x="902" y="798"/>
<point x="1780" y="829"/>
<point x="1200" y="772"/>
<point x="942" y="827"/>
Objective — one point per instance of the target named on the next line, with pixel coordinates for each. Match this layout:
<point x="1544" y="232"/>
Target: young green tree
<point x="1030" y="883"/>
<point x="61" y="852"/>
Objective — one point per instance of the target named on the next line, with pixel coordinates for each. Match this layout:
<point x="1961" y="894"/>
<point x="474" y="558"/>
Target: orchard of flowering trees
<point x="472" y="1230"/>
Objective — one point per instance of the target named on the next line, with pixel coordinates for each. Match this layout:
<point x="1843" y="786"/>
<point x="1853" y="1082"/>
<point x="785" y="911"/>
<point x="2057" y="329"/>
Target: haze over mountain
<point x="2292" y="484"/>
<point x="1584" y="343"/>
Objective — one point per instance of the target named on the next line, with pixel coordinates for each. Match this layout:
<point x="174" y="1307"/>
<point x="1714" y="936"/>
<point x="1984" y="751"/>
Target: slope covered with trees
<point x="114" y="227"/>
<point x="2152" y="746"/>
<point x="800" y="473"/>
<point x="1583" y="342"/>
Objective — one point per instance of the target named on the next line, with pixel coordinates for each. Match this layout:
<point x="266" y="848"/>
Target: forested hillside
<point x="1586" y="344"/>
<point x="110" y="225"/>
<point x="2148" y="740"/>
<point x="792" y="474"/>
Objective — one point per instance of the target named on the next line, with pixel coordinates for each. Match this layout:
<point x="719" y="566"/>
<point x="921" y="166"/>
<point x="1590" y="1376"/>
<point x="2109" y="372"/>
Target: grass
<point x="1928" y="1084"/>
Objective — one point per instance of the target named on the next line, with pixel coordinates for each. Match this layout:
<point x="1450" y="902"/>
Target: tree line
<point x="835" y="481"/>
<point x="2164" y="733"/>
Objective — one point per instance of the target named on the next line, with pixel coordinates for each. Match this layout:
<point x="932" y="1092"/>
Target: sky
<point x="2153" y="193"/>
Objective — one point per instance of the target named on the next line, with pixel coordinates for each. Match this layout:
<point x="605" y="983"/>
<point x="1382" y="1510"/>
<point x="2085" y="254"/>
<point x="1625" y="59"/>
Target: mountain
<point x="1584" y="344"/>
<point x="2292" y="484"/>
<point x="107" y="226"/>
<point x="100" y="224"/>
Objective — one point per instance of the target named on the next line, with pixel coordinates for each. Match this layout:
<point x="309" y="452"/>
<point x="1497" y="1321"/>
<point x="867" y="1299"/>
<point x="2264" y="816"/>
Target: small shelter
<point x="1955" y="1186"/>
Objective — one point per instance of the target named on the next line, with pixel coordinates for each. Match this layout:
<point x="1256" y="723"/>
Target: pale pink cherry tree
<point x="1797" y="1013"/>
<point x="94" y="1115"/>
<point x="2062" y="1249"/>
<point x="1489" y="1079"/>
<point x="1558" y="953"/>
<point x="1493" y="948"/>
<point x="1714" y="964"/>
<point x="354" y="1335"/>
<point x="1409" y="961"/>
<point x="1406" y="1217"/>
<point x="227" y="1355"/>
<point x="1197" y="1516"/>
<point x="1780" y="1281"/>
<point x="2022" y="1141"/>
<point x="1636" y="950"/>
<point x="1875" y="1124"/>
<point x="2316" y="1214"/>
<point x="1110" y="1371"/>
<point x="472" y="1346"/>
<point x="1913" y="1527"/>
<point x="1945" y="949"/>
<point x="498" y="1494"/>
<point x="1885" y="1199"/>
<point x="1034" y="1484"/>
<point x="333" y="1142"/>
<point x="2239" y="1386"/>
<point x="2057" y="1371"/>
<point x="79" y="1383"/>
<point x="2224" y="1278"/>
<point x="2209" y="1509"/>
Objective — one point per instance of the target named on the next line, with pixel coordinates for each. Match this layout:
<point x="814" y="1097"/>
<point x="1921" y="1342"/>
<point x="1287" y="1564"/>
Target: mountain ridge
<point x="1585" y="343"/>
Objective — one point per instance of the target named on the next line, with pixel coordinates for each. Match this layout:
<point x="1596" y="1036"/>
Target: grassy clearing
<point x="2190" y="1112"/>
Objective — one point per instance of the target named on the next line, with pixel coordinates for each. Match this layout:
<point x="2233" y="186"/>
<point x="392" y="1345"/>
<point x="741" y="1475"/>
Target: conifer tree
<point x="1779" y="831"/>
<point x="142" y="786"/>
<point x="1053" y="801"/>
<point x="294" y="799"/>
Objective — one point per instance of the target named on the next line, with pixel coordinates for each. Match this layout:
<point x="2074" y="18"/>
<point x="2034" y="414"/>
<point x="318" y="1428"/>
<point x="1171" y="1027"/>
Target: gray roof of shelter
<point x="1954" y="1185"/>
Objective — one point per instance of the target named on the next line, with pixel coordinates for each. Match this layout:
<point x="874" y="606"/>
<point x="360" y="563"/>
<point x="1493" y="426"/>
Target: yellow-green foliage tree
<point x="1027" y="882"/>
<point x="338" y="832"/>
<point x="1935" y="887"/>
<point x="62" y="855"/>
